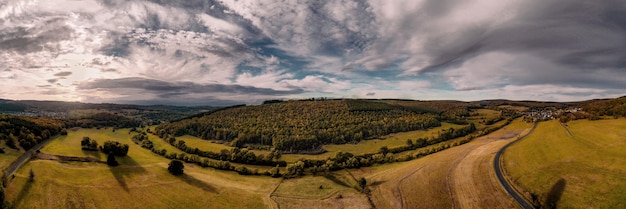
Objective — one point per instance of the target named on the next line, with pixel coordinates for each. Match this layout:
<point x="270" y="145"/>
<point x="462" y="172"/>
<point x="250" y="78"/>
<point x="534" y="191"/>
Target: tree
<point x="362" y="182"/>
<point x="176" y="167"/>
<point x="409" y="142"/>
<point x="384" y="150"/>
<point x="31" y="175"/>
<point x="1" y="197"/>
<point x="111" y="161"/>
<point x="85" y="142"/>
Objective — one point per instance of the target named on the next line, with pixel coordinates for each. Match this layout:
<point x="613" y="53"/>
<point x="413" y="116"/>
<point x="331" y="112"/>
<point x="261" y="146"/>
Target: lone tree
<point x="111" y="161"/>
<point x="176" y="167"/>
<point x="31" y="175"/>
<point x="362" y="182"/>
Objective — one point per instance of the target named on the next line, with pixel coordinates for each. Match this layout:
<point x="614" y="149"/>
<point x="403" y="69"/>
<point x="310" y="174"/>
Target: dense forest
<point x="26" y="132"/>
<point x="606" y="107"/>
<point x="302" y="126"/>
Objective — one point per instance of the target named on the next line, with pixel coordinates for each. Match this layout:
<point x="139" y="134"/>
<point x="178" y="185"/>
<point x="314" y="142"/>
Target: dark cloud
<point x="54" y="80"/>
<point x="370" y="94"/>
<point x="41" y="37"/>
<point x="170" y="89"/>
<point x="109" y="70"/>
<point x="63" y="74"/>
<point x="577" y="34"/>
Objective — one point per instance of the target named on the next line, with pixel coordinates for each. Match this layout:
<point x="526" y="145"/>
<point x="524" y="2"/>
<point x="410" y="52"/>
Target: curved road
<point x="27" y="155"/>
<point x="497" y="166"/>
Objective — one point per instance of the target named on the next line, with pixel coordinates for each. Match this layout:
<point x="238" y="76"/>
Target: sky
<point x="202" y="52"/>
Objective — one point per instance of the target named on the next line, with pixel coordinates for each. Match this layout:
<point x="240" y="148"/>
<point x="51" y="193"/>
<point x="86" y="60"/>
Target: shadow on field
<point x="333" y="178"/>
<point x="193" y="181"/>
<point x="127" y="168"/>
<point x="555" y="194"/>
<point x="23" y="193"/>
<point x="376" y="183"/>
<point x="95" y="154"/>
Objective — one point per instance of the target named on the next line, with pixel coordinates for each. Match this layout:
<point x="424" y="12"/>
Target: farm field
<point x="338" y="190"/>
<point x="141" y="181"/>
<point x="584" y="167"/>
<point x="459" y="177"/>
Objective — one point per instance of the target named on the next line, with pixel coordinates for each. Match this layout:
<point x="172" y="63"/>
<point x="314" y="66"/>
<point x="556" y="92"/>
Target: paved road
<point x="497" y="166"/>
<point x="27" y="155"/>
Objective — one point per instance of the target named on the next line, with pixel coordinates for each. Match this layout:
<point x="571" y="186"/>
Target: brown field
<point x="459" y="177"/>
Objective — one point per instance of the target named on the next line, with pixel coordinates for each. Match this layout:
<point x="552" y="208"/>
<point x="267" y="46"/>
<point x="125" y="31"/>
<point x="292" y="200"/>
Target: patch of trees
<point x="217" y="164"/>
<point x="608" y="107"/>
<point x="298" y="126"/>
<point x="27" y="132"/>
<point x="104" y="119"/>
<point x="444" y="135"/>
<point x="115" y="148"/>
<point x="89" y="144"/>
<point x="235" y="155"/>
<point x="142" y="140"/>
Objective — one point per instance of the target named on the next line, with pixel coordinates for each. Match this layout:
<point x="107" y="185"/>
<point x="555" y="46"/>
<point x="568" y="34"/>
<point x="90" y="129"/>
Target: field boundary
<point x="506" y="185"/>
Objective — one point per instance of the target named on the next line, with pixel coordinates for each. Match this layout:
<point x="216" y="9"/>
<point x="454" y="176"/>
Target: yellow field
<point x="443" y="179"/>
<point x="141" y="181"/>
<point x="586" y="169"/>
<point x="337" y="191"/>
<point x="8" y="157"/>
<point x="371" y="146"/>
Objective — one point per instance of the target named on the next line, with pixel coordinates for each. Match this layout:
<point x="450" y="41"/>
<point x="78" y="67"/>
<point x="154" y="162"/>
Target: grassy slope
<point x="142" y="181"/>
<point x="8" y="157"/>
<point x="363" y="147"/>
<point x="591" y="164"/>
<point x="423" y="182"/>
<point x="338" y="191"/>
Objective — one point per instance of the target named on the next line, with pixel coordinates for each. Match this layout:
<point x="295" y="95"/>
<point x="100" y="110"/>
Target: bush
<point x="111" y="161"/>
<point x="176" y="167"/>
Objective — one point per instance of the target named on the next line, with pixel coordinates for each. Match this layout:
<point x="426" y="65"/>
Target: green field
<point x="586" y="169"/>
<point x="141" y="181"/>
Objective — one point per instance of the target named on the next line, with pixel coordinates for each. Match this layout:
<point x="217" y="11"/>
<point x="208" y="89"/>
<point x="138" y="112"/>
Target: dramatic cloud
<point x="245" y="51"/>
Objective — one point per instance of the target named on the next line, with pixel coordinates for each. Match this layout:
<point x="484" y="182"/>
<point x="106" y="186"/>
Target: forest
<point x="301" y="126"/>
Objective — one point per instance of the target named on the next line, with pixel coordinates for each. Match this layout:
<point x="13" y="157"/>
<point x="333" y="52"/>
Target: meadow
<point x="442" y="179"/>
<point x="579" y="165"/>
<point x="141" y="180"/>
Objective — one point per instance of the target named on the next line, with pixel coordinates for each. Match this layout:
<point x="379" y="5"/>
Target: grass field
<point x="432" y="181"/>
<point x="141" y="181"/>
<point x="8" y="157"/>
<point x="337" y="190"/>
<point x="586" y="169"/>
<point x="363" y="147"/>
<point x="371" y="146"/>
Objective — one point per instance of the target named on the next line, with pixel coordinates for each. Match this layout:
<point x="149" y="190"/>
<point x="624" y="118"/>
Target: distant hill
<point x="73" y="110"/>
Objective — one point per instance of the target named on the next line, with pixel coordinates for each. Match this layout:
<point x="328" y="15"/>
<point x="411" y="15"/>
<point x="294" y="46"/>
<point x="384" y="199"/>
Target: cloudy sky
<point x="198" y="52"/>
